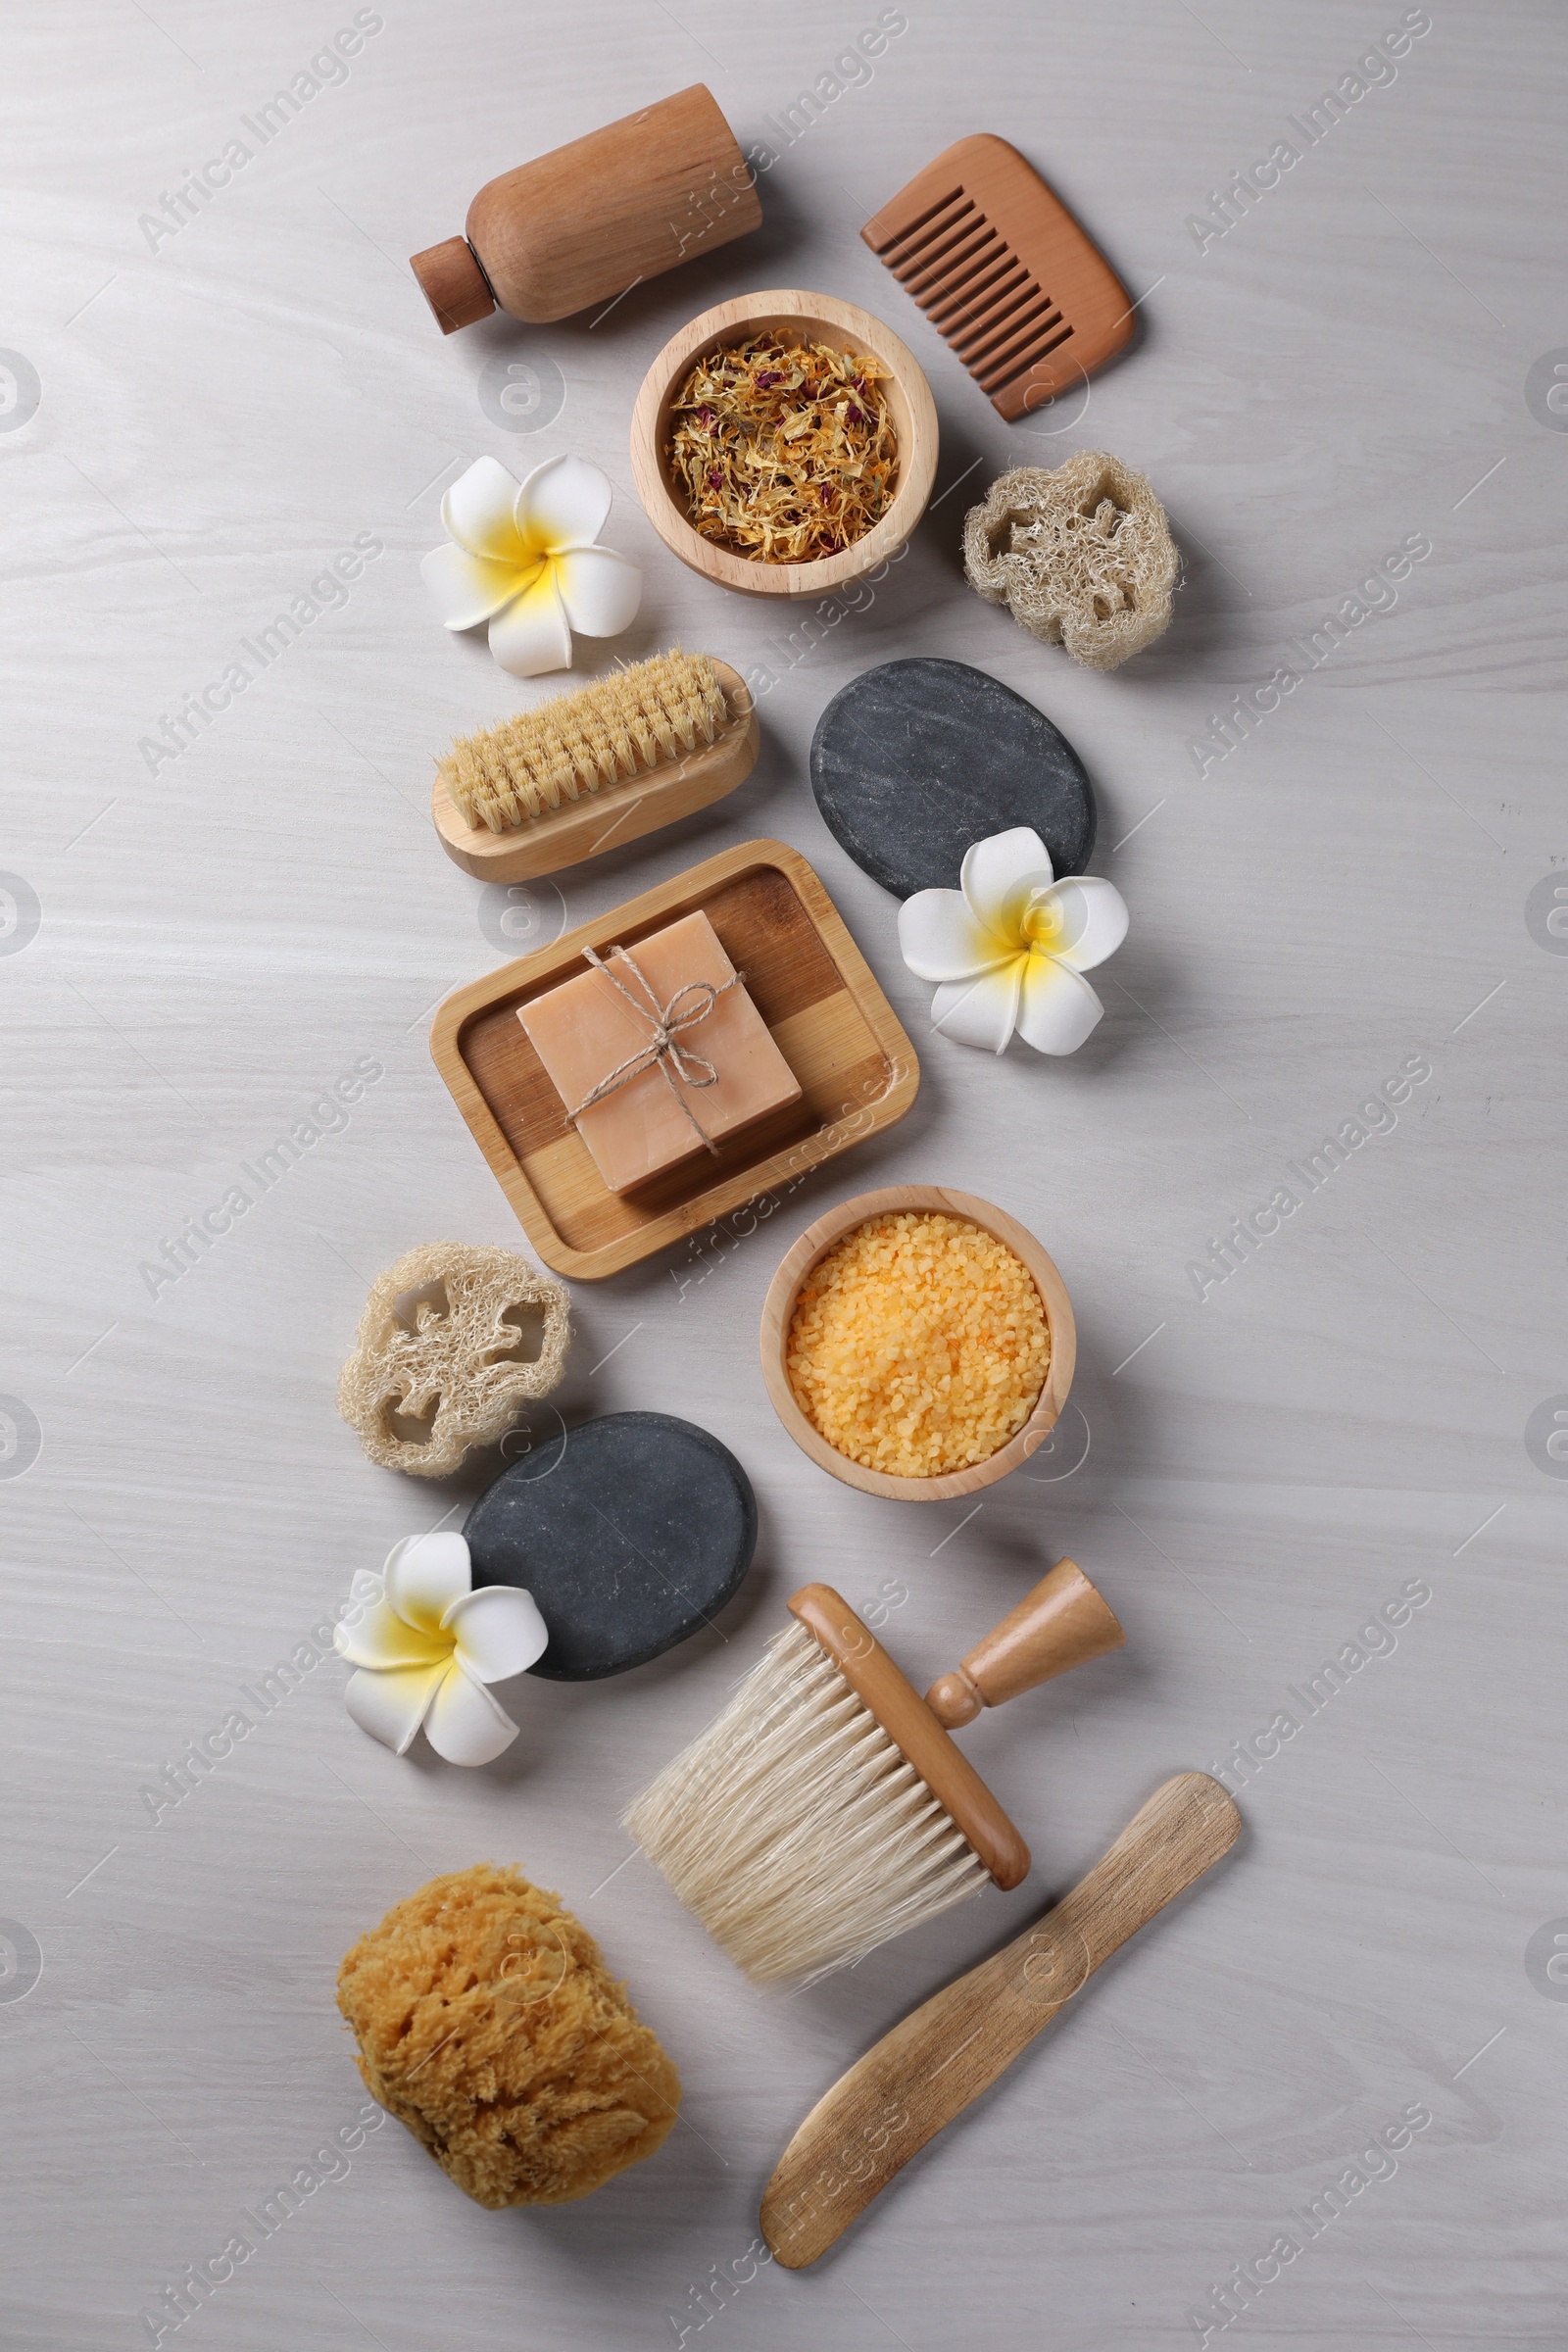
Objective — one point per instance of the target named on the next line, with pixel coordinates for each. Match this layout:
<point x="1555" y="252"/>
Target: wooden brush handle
<point x="951" y="2048"/>
<point x="910" y="1725"/>
<point x="608" y="819"/>
<point x="1063" y="1622"/>
<point x="1059" y="1624"/>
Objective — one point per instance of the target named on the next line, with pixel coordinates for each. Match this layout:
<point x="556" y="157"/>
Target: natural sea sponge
<point x="461" y="1376"/>
<point x="1082" y="557"/>
<point x="489" y="2026"/>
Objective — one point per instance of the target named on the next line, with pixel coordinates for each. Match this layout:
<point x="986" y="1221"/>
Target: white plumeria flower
<point x="427" y="1648"/>
<point x="523" y="557"/>
<point x="1009" y="949"/>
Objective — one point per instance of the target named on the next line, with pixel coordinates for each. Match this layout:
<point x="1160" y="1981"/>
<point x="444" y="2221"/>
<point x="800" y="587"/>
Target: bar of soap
<point x="585" y="1028"/>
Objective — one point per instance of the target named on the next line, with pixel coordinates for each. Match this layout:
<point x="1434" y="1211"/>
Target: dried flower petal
<point x="767" y="439"/>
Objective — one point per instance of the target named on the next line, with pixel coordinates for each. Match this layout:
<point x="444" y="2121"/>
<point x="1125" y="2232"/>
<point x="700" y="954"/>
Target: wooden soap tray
<point x="812" y="987"/>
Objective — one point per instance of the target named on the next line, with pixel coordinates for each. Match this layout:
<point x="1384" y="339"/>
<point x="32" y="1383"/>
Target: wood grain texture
<point x="910" y="1725"/>
<point x="598" y="216"/>
<point x="856" y="1069"/>
<point x="193" y="952"/>
<point x="453" y="284"/>
<point x="1062" y="1623"/>
<point x="902" y="2093"/>
<point x="614" y="817"/>
<point x="799" y="318"/>
<point x="1005" y="273"/>
<point x="778" y="1311"/>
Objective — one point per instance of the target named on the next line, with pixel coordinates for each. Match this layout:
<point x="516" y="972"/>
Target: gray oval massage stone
<point x="914" y="760"/>
<point x="632" y="1532"/>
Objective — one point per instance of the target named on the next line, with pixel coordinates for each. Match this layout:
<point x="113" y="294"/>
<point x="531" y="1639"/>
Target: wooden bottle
<point x="585" y="222"/>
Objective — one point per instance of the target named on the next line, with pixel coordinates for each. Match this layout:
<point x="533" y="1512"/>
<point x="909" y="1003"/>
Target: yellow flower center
<point x="1043" y="926"/>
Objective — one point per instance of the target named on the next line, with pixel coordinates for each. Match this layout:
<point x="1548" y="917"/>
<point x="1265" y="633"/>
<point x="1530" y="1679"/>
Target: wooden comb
<point x="1003" y="273"/>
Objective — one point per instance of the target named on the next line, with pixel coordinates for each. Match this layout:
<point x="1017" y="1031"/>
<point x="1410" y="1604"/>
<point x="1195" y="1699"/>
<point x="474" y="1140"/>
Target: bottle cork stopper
<point x="454" y="284"/>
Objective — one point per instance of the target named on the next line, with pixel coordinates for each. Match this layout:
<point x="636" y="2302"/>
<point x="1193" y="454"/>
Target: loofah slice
<point x="1082" y="557"/>
<point x="459" y="1371"/>
<point x="489" y="2026"/>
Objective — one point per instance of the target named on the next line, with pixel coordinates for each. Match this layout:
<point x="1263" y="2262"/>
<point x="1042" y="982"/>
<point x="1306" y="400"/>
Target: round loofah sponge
<point x="459" y="1378"/>
<point x="1082" y="557"/>
<point x="488" y="2025"/>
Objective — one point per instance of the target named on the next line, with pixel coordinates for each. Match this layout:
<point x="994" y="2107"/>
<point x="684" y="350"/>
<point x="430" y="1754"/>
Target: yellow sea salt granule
<point x="918" y="1345"/>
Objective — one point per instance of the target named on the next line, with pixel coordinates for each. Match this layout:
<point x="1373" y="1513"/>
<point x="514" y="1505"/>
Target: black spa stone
<point x="914" y="762"/>
<point x="631" y="1533"/>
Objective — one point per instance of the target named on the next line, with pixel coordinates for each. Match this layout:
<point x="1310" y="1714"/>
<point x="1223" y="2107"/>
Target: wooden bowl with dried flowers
<point x="784" y="444"/>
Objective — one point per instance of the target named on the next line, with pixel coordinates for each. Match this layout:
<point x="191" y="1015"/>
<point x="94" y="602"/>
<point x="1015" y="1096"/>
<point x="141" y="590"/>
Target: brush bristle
<point x="796" y="1830"/>
<point x="621" y="726"/>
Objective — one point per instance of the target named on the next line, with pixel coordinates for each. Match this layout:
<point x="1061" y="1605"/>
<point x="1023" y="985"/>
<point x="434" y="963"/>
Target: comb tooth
<point x="979" y="292"/>
<point x="1008" y="357"/>
<point x="939" y="253"/>
<point x="1024" y="365"/>
<point x="936" y="272"/>
<point x="912" y="228"/>
<point x="965" y="254"/>
<point x="898" y="258"/>
<point x="1006" y="282"/>
<point x="1030" y="315"/>
<point x="1026" y="361"/>
<point x="1004" y="302"/>
<point x="965" y="216"/>
<point x="1017" y="361"/>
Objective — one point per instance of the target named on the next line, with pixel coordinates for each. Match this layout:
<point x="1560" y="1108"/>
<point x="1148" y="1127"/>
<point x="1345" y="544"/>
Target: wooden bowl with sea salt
<point x="783" y="1296"/>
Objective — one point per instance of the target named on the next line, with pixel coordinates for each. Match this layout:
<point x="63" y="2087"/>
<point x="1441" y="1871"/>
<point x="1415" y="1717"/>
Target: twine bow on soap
<point x="663" y="1050"/>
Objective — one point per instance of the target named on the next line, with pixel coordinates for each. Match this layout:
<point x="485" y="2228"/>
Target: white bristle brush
<point x="827" y="1809"/>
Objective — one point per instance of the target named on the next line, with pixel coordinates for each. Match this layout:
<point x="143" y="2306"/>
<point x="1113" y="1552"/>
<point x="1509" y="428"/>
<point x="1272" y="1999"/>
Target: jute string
<point x="666" y="1024"/>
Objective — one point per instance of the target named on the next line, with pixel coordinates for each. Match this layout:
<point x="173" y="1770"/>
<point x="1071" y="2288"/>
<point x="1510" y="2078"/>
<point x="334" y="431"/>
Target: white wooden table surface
<point x="191" y="427"/>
